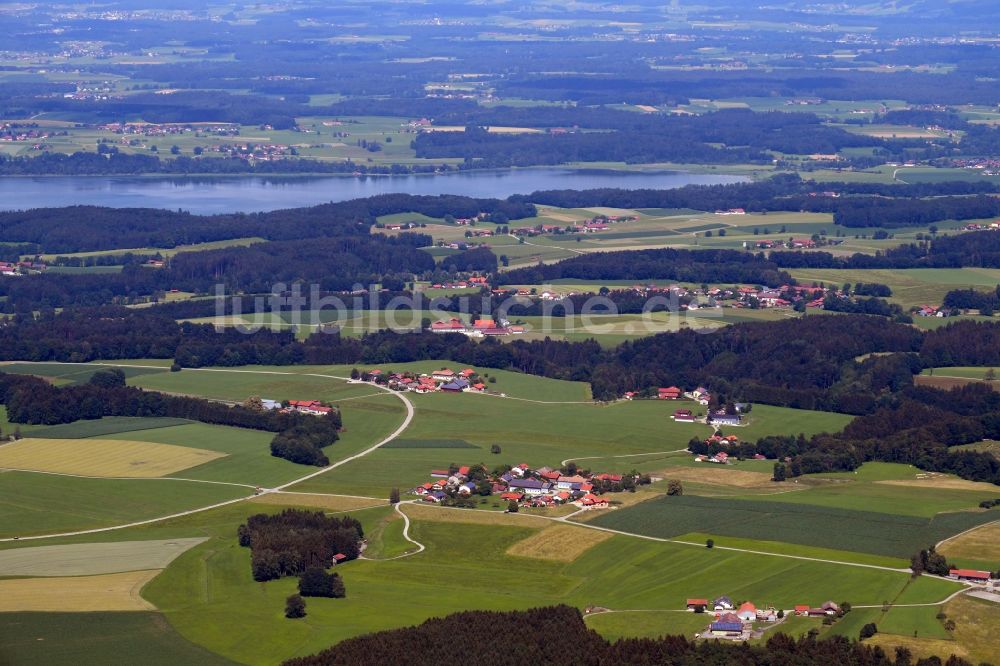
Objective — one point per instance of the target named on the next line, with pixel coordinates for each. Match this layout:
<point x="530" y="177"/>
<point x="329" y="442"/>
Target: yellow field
<point x="943" y="482"/>
<point x="561" y="543"/>
<point x="718" y="476"/>
<point x="982" y="543"/>
<point x="441" y="515"/>
<point x="328" y="502"/>
<point x="976" y="625"/>
<point x="109" y="592"/>
<point x="102" y="457"/>
<point x="920" y="647"/>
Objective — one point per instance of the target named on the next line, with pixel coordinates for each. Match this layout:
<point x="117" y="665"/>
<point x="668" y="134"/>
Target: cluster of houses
<point x="13" y="269"/>
<point x="22" y="132"/>
<point x="736" y="622"/>
<point x="444" y="380"/>
<point x="170" y="129"/>
<point x="311" y="407"/>
<point x="993" y="226"/>
<point x="930" y="311"/>
<point x="475" y="281"/>
<point x="593" y="225"/>
<point x="478" y="329"/>
<point x="536" y="488"/>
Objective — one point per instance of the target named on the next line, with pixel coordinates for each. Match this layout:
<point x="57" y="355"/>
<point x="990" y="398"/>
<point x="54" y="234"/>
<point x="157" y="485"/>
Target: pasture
<point x="213" y="581"/>
<point x="70" y="639"/>
<point x="911" y="287"/>
<point x="529" y="432"/>
<point x="109" y="425"/>
<point x="102" y="457"/>
<point x="107" y="592"/>
<point x="32" y="503"/>
<point x="646" y="623"/>
<point x="798" y="523"/>
<point x="88" y="559"/>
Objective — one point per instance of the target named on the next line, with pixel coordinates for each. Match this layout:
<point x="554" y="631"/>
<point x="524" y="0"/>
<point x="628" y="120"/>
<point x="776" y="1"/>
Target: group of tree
<point x="558" y="635"/>
<point x="296" y="542"/>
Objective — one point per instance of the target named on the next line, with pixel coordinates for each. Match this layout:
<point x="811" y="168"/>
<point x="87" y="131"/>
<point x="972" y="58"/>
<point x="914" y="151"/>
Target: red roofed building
<point x="669" y="393"/>
<point x="970" y="574"/>
<point x="450" y="326"/>
<point x="694" y="604"/>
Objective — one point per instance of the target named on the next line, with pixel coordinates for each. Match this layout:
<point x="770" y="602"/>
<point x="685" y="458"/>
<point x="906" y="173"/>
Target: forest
<point x="698" y="266"/>
<point x="557" y="635"/>
<point x="92" y="228"/>
<point x="293" y="541"/>
<point x="686" y="139"/>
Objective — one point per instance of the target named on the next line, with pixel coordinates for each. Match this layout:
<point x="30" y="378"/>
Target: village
<point x="744" y="620"/>
<point x="523" y="487"/>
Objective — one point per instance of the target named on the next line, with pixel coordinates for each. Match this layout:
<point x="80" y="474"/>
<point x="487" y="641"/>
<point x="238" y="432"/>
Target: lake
<point x="256" y="193"/>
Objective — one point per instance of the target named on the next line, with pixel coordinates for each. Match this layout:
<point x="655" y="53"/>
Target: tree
<point x="175" y="150"/>
<point x="108" y="378"/>
<point x="355" y="373"/>
<point x="674" y="487"/>
<point x="316" y="582"/>
<point x="394" y="496"/>
<point x="512" y="507"/>
<point x="990" y="375"/>
<point x="495" y="449"/>
<point x="868" y="631"/>
<point x="175" y="367"/>
<point x="780" y="473"/>
<point x="295" y="607"/>
<point x="709" y="543"/>
<point x="781" y="613"/>
<point x="254" y="403"/>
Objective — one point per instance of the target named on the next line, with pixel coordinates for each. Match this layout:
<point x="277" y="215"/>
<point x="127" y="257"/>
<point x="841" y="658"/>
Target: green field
<point x="109" y="425"/>
<point x="911" y="287"/>
<point x="68" y="639"/>
<point x="799" y="523"/>
<point x="966" y="372"/>
<point x="69" y="373"/>
<point x="212" y="581"/>
<point x="42" y="503"/>
<point x="651" y="624"/>
<point x="536" y="434"/>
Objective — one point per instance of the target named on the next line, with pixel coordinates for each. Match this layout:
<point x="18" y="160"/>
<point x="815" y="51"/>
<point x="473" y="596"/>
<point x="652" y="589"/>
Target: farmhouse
<point x="747" y="612"/>
<point x="697" y="605"/>
<point x="669" y="393"/>
<point x="721" y="418"/>
<point x="313" y="407"/>
<point x="801" y="609"/>
<point x="971" y="575"/>
<point x="728" y="625"/>
<point x="683" y="415"/>
<point x="723" y="603"/>
<point x="451" y="326"/>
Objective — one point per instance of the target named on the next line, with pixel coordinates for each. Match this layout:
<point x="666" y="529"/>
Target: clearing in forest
<point x="102" y="457"/>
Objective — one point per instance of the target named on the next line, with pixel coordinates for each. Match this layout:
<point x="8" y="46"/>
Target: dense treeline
<point x="867" y="306"/>
<point x="664" y="264"/>
<point x="299" y="438"/>
<point x="969" y="299"/>
<point x="92" y="228"/>
<point x="558" y="636"/>
<point x="919" y="430"/>
<point x="330" y="264"/>
<point x="745" y="135"/>
<point x="290" y="542"/>
<point x="128" y="164"/>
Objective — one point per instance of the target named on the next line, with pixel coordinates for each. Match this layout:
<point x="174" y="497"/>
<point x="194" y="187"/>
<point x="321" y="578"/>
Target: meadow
<point x="798" y="523"/>
<point x="33" y="503"/>
<point x="910" y="287"/>
<point x="68" y="639"/>
<point x="212" y="582"/>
